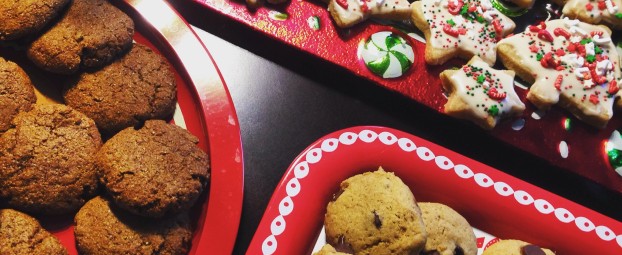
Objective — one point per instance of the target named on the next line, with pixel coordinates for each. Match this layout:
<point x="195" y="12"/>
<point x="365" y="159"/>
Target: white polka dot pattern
<point x="314" y="155"/>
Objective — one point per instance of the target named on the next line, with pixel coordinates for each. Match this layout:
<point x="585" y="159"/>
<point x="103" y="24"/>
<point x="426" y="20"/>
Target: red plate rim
<point x="490" y="199"/>
<point x="221" y="123"/>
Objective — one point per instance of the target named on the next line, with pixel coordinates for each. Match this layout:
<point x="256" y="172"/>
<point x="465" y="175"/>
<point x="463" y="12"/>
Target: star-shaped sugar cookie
<point x="347" y="13"/>
<point x="570" y="63"/>
<point x="460" y="28"/>
<point x="594" y="11"/>
<point x="480" y="93"/>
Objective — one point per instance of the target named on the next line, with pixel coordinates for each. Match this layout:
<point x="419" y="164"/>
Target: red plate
<point x="206" y="110"/>
<point x="490" y="199"/>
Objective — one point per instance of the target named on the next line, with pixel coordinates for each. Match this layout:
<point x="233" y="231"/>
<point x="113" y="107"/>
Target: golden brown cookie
<point x="480" y="93"/>
<point x="570" y="63"/>
<point x="135" y="88"/>
<point x="26" y="17"/>
<point x="515" y="247"/>
<point x="448" y="232"/>
<point x="450" y="32"/>
<point x="103" y="229"/>
<point x="605" y="12"/>
<point x="22" y="234"/>
<point x="327" y="249"/>
<point x="89" y="35"/>
<point x="375" y="213"/>
<point x="154" y="171"/>
<point x="47" y="160"/>
<point x="347" y="13"/>
<point x="16" y="93"/>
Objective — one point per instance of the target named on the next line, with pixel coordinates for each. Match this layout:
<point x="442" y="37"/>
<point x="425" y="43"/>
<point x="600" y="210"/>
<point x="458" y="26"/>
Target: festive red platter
<point x="555" y="135"/>
<point x="204" y="108"/>
<point x="489" y="199"/>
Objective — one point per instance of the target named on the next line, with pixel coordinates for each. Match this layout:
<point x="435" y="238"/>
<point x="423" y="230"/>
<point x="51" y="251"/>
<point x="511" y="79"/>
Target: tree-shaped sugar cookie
<point x="594" y="11"/>
<point x="481" y="94"/>
<point x="460" y="28"/>
<point x="347" y="13"/>
<point x="570" y="63"/>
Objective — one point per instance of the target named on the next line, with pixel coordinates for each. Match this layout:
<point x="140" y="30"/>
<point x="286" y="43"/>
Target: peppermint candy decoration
<point x="387" y="55"/>
<point x="613" y="148"/>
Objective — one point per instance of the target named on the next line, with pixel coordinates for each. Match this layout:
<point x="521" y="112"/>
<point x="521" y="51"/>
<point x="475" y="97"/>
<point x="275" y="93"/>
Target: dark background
<point x="286" y="99"/>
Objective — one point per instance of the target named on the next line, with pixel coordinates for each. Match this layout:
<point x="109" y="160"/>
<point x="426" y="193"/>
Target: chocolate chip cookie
<point x="327" y="249"/>
<point x="154" y="171"/>
<point x="47" y="160"/>
<point x="27" y="17"/>
<point x="22" y="234"/>
<point x="137" y="87"/>
<point x="102" y="229"/>
<point x="448" y="232"/>
<point x="16" y="93"/>
<point x="516" y="247"/>
<point x="89" y="35"/>
<point x="375" y="213"/>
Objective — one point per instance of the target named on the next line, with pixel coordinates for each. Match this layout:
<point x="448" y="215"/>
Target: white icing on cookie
<point x="471" y="25"/>
<point x="586" y="71"/>
<point x="595" y="11"/>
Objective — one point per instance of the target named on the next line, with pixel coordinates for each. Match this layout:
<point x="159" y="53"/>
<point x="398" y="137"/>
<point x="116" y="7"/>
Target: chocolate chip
<point x="531" y="249"/>
<point x="377" y="221"/>
<point x="458" y="251"/>
<point x="343" y="246"/>
<point x="336" y="195"/>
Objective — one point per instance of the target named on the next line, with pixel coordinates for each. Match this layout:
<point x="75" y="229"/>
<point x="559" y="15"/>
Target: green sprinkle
<point x="619" y="15"/>
<point x="492" y="35"/>
<point x="480" y="19"/>
<point x="590" y="58"/>
<point x="451" y="22"/>
<point x="481" y="78"/>
<point x="586" y="41"/>
<point x="493" y="110"/>
<point x="598" y="50"/>
<point x="539" y="56"/>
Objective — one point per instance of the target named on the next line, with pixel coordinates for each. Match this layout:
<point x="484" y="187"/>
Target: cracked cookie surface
<point x="47" y="160"/>
<point x="22" y="234"/>
<point x="137" y="87"/>
<point x="102" y="229"/>
<point x="89" y="35"/>
<point x="16" y="93"/>
<point x="27" y="17"/>
<point x="154" y="171"/>
<point x="448" y="232"/>
<point x="375" y="213"/>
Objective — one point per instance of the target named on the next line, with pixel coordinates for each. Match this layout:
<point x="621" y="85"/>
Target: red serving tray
<point x="421" y="83"/>
<point x="205" y="109"/>
<point x="489" y="199"/>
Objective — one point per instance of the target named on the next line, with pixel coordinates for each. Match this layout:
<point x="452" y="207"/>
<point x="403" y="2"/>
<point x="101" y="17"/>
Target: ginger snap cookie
<point x="27" y="17"/>
<point x="17" y="93"/>
<point x="89" y="35"/>
<point x="47" y="160"/>
<point x="460" y="28"/>
<point x="22" y="234"/>
<point x="104" y="229"/>
<point x="375" y="213"/>
<point x="135" y="88"/>
<point x="155" y="171"/>
<point x="516" y="247"/>
<point x="570" y="63"/>
<point x="448" y="232"/>
<point x="480" y="93"/>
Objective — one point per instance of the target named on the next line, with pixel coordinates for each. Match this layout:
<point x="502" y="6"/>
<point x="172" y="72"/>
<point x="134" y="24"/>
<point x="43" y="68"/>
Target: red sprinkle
<point x="450" y="30"/>
<point x="472" y="8"/>
<point x="601" y="5"/>
<point x="558" y="82"/>
<point x="534" y="28"/>
<point x="364" y="8"/>
<point x="496" y="95"/>
<point x="572" y="47"/>
<point x="613" y="87"/>
<point x="599" y="33"/>
<point x="560" y="31"/>
<point x="533" y="48"/>
<point x="498" y="29"/>
<point x="589" y="6"/>
<point x="560" y="52"/>
<point x="343" y="3"/>
<point x="545" y="35"/>
<point x="594" y="99"/>
<point x="453" y="8"/>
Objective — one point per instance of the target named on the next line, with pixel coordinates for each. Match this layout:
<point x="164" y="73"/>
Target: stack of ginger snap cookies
<point x="100" y="150"/>
<point x="376" y="213"/>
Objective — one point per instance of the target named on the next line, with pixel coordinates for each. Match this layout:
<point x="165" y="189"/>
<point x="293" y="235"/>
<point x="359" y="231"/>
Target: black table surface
<point x="286" y="99"/>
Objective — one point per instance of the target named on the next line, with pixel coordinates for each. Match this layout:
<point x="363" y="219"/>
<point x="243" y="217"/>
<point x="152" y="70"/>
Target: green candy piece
<point x="493" y="110"/>
<point x="379" y="66"/>
<point x="481" y="78"/>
